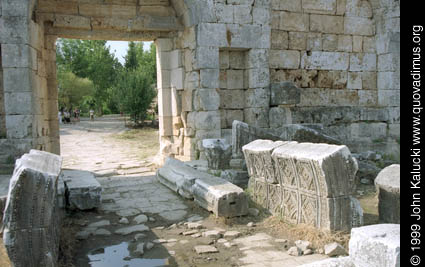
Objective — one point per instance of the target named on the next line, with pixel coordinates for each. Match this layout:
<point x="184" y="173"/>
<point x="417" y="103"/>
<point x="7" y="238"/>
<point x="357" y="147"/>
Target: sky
<point x="119" y="48"/>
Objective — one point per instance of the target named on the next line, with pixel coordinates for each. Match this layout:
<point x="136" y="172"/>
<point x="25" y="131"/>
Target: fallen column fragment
<point x="388" y="187"/>
<point x="220" y="196"/>
<point x="212" y="193"/>
<point x="31" y="221"/>
<point x="178" y="177"/>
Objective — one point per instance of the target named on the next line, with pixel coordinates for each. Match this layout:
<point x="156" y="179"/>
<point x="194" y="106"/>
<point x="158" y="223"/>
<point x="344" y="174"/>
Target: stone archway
<point x="190" y="36"/>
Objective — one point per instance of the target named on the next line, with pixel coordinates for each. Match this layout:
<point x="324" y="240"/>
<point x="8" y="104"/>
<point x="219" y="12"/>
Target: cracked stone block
<point x="258" y="157"/>
<point x="218" y="153"/>
<point x="388" y="187"/>
<point x="237" y="177"/>
<point x="301" y="133"/>
<point x="31" y="221"/>
<point x="219" y="196"/>
<point x="375" y="245"/>
<point x="243" y="133"/>
<point x="83" y="191"/>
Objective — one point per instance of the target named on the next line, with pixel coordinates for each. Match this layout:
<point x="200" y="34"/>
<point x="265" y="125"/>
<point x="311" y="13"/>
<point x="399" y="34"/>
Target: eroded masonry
<point x="332" y="65"/>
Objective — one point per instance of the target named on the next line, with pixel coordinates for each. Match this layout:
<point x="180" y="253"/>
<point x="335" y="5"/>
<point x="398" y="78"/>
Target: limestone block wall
<point x="27" y="113"/>
<point x="331" y="50"/>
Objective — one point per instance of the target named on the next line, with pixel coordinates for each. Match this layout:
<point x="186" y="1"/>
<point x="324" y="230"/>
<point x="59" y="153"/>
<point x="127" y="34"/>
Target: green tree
<point x="135" y="92"/>
<point x="131" y="62"/>
<point x="72" y="89"/>
<point x="92" y="60"/>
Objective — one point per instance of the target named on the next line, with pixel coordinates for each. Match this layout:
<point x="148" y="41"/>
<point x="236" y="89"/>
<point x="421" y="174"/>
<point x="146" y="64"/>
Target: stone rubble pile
<point x="304" y="183"/>
<point x="31" y="217"/>
<point x="212" y="193"/>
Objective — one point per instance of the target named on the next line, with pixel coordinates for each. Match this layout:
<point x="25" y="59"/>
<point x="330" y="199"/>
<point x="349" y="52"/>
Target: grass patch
<point x="146" y="140"/>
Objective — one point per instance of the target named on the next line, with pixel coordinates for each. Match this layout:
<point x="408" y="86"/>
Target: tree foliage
<point x="114" y="87"/>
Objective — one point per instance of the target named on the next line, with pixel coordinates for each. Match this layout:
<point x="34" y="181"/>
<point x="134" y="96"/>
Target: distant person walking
<point x="91" y="114"/>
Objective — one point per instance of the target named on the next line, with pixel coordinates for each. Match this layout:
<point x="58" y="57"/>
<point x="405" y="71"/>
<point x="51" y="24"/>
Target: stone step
<point x="83" y="191"/>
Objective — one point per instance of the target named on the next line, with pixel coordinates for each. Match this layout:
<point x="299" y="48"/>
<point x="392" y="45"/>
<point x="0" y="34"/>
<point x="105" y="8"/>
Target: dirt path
<point x="143" y="223"/>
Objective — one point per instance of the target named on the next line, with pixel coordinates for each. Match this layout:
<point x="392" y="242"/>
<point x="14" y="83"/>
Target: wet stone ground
<point x="143" y="223"/>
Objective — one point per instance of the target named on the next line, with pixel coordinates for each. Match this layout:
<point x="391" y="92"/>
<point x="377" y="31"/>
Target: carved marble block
<point x="388" y="187"/>
<point x="258" y="156"/>
<point x="31" y="233"/>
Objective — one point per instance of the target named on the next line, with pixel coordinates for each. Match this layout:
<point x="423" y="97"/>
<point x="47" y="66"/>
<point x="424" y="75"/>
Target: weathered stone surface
<point x="337" y="262"/>
<point x="356" y="213"/>
<point x="236" y="177"/>
<point x="220" y="197"/>
<point x="258" y="157"/>
<point x="218" y="153"/>
<point x="301" y="133"/>
<point x="243" y="133"/>
<point x="388" y="187"/>
<point x="178" y="177"/>
<point x="284" y="93"/>
<point x="83" y="190"/>
<point x="375" y="245"/>
<point x="316" y="182"/>
<point x="31" y="221"/>
<point x="132" y="229"/>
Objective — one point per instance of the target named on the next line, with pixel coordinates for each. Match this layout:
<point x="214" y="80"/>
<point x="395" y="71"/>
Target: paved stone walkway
<point x="136" y="209"/>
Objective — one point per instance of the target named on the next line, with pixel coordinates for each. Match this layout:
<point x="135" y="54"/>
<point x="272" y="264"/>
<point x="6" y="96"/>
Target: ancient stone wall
<point x="335" y="62"/>
<point x="340" y="54"/>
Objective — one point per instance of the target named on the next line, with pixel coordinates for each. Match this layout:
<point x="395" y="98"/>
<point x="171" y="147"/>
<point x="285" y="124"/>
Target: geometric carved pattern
<point x="274" y="199"/>
<point x="315" y="182"/>
<point x="290" y="206"/>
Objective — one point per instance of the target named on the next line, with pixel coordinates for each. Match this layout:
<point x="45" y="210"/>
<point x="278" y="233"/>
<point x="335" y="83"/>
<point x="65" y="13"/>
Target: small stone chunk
<point x="308" y="252"/>
<point x="140" y="219"/>
<point x="159" y="228"/>
<point x="212" y="234"/>
<point x="232" y="234"/>
<point x="194" y="225"/>
<point x="132" y="229"/>
<point x="137" y="237"/>
<point x="124" y="221"/>
<point x="335" y="249"/>
<point x="191" y="232"/>
<point x="151" y="219"/>
<point x="229" y="244"/>
<point x="250" y="224"/>
<point x="222" y="240"/>
<point x="196" y="235"/>
<point x="149" y="245"/>
<point x="102" y="232"/>
<point x="139" y="249"/>
<point x="173" y="226"/>
<point x="284" y="241"/>
<point x="294" y="251"/>
<point x="205" y="249"/>
<point x="303" y="244"/>
<point x="173" y="240"/>
<point x="159" y="241"/>
<point x="99" y="224"/>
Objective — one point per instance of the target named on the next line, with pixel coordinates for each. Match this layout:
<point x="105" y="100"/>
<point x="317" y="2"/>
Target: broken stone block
<point x="334" y="249"/>
<point x="284" y="93"/>
<point x="375" y="245"/>
<point x="205" y="249"/>
<point x="388" y="187"/>
<point x="219" y="196"/>
<point x="258" y="157"/>
<point x="218" y="153"/>
<point x="31" y="221"/>
<point x="178" y="177"/>
<point x="243" y="133"/>
<point x="301" y="133"/>
<point x="83" y="190"/>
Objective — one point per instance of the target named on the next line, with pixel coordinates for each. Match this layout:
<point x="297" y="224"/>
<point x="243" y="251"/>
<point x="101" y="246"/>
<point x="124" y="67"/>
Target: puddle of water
<point x="118" y="255"/>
